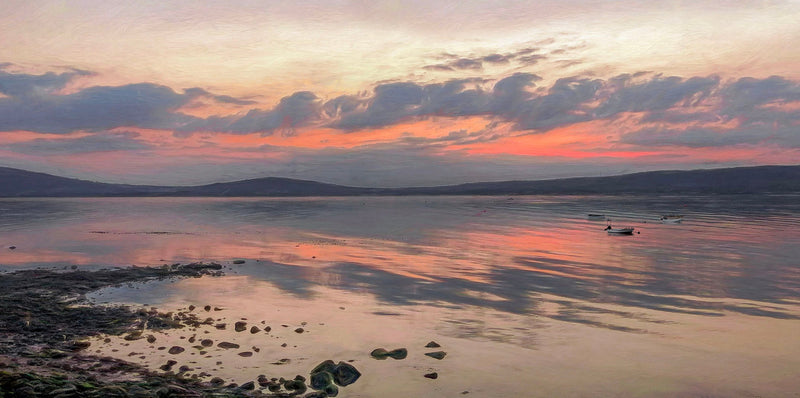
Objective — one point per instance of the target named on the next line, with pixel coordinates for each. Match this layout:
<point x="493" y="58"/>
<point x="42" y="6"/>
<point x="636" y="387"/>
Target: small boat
<point x="596" y="217"/>
<point x="619" y="231"/>
<point x="671" y="219"/>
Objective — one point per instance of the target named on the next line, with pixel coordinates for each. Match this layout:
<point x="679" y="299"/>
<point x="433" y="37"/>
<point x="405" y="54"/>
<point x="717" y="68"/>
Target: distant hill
<point x="761" y="179"/>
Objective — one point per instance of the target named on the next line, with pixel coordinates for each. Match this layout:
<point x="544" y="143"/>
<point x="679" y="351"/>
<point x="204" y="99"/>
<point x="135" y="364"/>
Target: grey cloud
<point x="699" y="137"/>
<point x="497" y="58"/>
<point x="563" y="104"/>
<point x="453" y="99"/>
<point x="466" y="63"/>
<point x="510" y="94"/>
<point x="748" y="93"/>
<point x="529" y="60"/>
<point x="293" y="111"/>
<point x="656" y="94"/>
<point x="226" y="99"/>
<point x="439" y="67"/>
<point x="101" y="142"/>
<point x="391" y="103"/>
<point x="23" y="85"/>
<point x="524" y="56"/>
<point x="96" y="108"/>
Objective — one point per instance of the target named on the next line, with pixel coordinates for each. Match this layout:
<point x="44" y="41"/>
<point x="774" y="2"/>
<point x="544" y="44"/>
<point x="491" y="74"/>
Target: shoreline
<point x="46" y="322"/>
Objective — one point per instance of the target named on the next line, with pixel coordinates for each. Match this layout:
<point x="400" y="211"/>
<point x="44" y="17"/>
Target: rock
<point x="254" y="330"/>
<point x="80" y="345"/>
<point x="220" y="326"/>
<point x="331" y="390"/>
<point x="345" y="374"/>
<point x="433" y="375"/>
<point x="176" y="350"/>
<point x="398" y="353"/>
<point x="320" y="380"/>
<point x="248" y="386"/>
<point x="240" y="326"/>
<point x="191" y="308"/>
<point x="432" y="344"/>
<point x="151" y="339"/>
<point x="262" y="380"/>
<point x="295" y="385"/>
<point x="267" y="329"/>
<point x="238" y="261"/>
<point x="246" y="354"/>
<point x="207" y="308"/>
<point x="184" y="369"/>
<point x="324" y="366"/>
<point x="299" y="330"/>
<point x="379" y="353"/>
<point x="168" y="366"/>
<point x="227" y="345"/>
<point x="436" y="354"/>
<point x="274" y="385"/>
<point x="207" y="342"/>
<point x="217" y="381"/>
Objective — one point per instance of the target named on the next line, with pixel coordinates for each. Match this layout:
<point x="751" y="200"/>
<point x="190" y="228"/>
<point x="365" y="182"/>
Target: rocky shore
<point x="46" y="323"/>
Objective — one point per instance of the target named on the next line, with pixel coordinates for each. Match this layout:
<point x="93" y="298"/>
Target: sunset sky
<point x="395" y="93"/>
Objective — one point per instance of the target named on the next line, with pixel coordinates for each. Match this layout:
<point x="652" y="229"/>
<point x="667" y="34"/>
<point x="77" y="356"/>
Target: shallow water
<point x="526" y="296"/>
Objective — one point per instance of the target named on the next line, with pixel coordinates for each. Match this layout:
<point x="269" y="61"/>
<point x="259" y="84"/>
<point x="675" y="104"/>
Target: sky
<point x="395" y="93"/>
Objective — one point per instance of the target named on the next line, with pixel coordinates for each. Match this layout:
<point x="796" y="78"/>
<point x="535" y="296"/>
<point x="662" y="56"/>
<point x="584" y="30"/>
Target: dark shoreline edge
<point x="45" y="319"/>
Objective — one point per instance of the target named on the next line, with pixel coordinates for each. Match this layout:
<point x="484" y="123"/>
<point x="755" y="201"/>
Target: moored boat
<point x="671" y="218"/>
<point x="620" y="231"/>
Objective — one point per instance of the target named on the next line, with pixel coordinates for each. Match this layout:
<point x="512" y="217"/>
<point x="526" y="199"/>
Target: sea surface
<point x="527" y="297"/>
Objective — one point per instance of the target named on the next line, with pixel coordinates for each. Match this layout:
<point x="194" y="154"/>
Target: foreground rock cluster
<point x="45" y="322"/>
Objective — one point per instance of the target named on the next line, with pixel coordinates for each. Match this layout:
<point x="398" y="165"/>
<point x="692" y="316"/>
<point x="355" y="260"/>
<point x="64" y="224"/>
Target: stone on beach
<point x="321" y="379"/>
<point x="254" y="329"/>
<point x="345" y="374"/>
<point x="436" y="354"/>
<point x="432" y="344"/>
<point x="433" y="375"/>
<point x="379" y="353"/>
<point x="226" y="345"/>
<point x="398" y="353"/>
<point x="176" y="350"/>
<point x="240" y="326"/>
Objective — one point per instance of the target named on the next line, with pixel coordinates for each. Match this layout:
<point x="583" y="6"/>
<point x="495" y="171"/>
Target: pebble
<point x="176" y="350"/>
<point x="227" y="345"/>
<point x="437" y="354"/>
<point x="433" y="375"/>
<point x="432" y="344"/>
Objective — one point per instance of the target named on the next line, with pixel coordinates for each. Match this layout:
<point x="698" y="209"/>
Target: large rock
<point x="345" y="374"/>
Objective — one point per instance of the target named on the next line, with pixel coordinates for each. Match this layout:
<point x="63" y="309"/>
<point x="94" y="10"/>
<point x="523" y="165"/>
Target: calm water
<point x="526" y="296"/>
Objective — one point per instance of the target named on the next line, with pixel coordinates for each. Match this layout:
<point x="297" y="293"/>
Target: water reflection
<point x="525" y="255"/>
